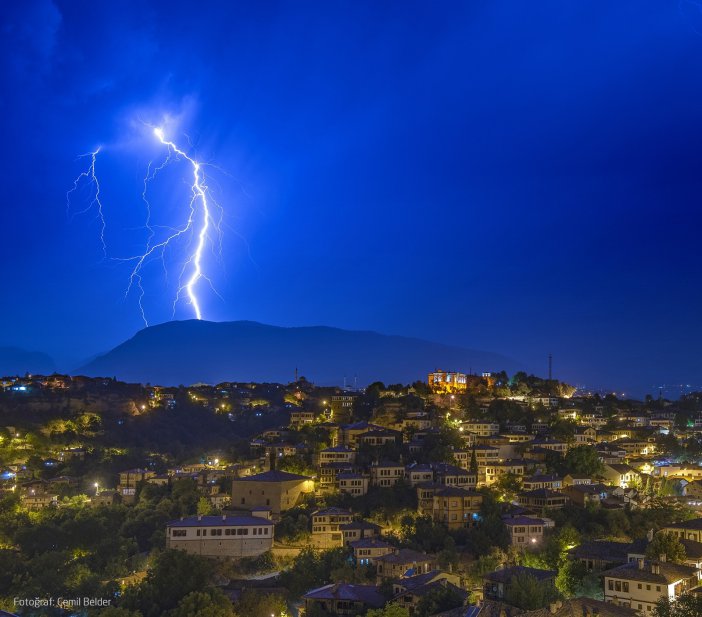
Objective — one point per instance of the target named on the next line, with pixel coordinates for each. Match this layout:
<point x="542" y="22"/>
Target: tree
<point x="210" y="603"/>
<point x="260" y="604"/>
<point x="473" y="462"/>
<point x="204" y="507"/>
<point x="113" y="611"/>
<point x="174" y="575"/>
<point x="389" y="610"/>
<point x="508" y="484"/>
<point x="439" y="600"/>
<point x="492" y="531"/>
<point x="571" y="576"/>
<point x="526" y="592"/>
<point x="448" y="557"/>
<point x="687" y="605"/>
<point x="583" y="460"/>
<point x="487" y="562"/>
<point x="292" y="527"/>
<point x="563" y="429"/>
<point x="312" y="569"/>
<point x="667" y="544"/>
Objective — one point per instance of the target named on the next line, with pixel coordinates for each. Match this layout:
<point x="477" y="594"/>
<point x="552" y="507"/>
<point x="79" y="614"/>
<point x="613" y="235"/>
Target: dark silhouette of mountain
<point x="15" y="361"/>
<point x="187" y="352"/>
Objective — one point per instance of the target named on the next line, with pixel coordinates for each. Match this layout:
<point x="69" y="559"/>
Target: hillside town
<point x="461" y="495"/>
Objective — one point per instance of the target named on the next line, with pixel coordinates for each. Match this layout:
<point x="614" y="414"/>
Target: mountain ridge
<point x="192" y="351"/>
<point x="18" y="361"/>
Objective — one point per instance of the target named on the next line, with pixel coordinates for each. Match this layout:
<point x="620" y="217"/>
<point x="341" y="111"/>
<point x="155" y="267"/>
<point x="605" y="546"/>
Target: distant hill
<point x="15" y="361"/>
<point x="187" y="352"/>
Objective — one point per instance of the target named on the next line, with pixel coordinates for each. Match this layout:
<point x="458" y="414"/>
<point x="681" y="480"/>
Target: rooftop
<point x="405" y="556"/>
<point x="274" y="475"/>
<point x="219" y="521"/>
<point x="523" y="520"/>
<point x="695" y="523"/>
<point x="365" y="594"/>
<point x="370" y="543"/>
<point x="668" y="572"/>
<point x="582" y="607"/>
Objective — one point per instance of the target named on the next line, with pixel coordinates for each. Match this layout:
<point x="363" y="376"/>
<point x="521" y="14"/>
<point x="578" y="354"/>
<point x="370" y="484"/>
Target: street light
<point x="97" y="486"/>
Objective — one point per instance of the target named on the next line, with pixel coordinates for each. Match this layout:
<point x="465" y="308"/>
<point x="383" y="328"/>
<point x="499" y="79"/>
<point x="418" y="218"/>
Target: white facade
<point x="221" y="536"/>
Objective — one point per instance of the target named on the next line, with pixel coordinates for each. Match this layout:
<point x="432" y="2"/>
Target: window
<point x="198" y="532"/>
<point x="658" y="587"/>
<point x="625" y="587"/>
<point x="640" y="587"/>
<point x="648" y="587"/>
<point x="204" y="532"/>
<point x="179" y="533"/>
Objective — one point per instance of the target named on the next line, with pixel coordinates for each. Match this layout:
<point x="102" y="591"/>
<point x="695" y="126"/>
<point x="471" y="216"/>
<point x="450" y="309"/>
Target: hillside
<point x="15" y="361"/>
<point x="187" y="352"/>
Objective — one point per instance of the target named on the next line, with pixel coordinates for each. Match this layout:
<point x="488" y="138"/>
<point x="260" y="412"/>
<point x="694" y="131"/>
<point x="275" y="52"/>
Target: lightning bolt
<point x="198" y="222"/>
<point x="88" y="178"/>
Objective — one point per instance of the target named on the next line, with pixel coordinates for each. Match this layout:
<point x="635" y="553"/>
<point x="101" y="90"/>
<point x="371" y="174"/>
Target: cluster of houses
<point x="383" y="453"/>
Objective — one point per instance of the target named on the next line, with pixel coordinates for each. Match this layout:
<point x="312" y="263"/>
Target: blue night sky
<point x="519" y="177"/>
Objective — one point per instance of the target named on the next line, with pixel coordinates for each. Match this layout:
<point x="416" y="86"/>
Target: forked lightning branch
<point x="194" y="231"/>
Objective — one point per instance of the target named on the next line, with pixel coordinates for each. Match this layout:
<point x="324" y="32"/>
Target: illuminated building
<point x="221" y="536"/>
<point x="129" y="481"/>
<point x="454" y="507"/>
<point x="355" y="484"/>
<point x="525" y="531"/>
<point x="342" y="407"/>
<point x="641" y="584"/>
<point x="442" y="382"/>
<point x="367" y="550"/>
<point x="278" y="490"/>
<point x="326" y="530"/>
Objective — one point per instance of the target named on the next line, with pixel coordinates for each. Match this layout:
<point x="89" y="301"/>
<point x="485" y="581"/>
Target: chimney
<point x="640" y="561"/>
<point x="662" y="557"/>
<point x="199" y="517"/>
<point x="224" y="517"/>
